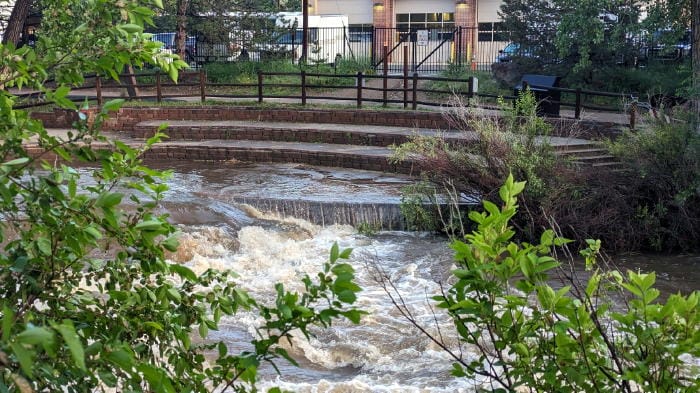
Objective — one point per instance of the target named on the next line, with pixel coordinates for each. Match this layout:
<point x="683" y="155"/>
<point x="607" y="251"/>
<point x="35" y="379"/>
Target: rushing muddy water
<point x="384" y="353"/>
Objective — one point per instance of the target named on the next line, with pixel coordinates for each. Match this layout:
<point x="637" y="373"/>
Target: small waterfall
<point x="384" y="216"/>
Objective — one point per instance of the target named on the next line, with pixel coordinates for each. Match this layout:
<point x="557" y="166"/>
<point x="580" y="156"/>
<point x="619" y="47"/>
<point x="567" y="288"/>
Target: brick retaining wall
<point x="126" y="118"/>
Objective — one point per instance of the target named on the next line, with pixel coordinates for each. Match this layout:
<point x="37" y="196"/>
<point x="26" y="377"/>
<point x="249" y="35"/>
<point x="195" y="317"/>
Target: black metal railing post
<point x="260" y="87"/>
<point x="385" y="80"/>
<point x="405" y="77"/>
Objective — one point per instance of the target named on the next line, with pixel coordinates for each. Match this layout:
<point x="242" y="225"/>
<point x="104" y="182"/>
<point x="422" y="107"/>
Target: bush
<point x="487" y="84"/>
<point x="664" y="163"/>
<point x="88" y="301"/>
<point x="515" y="143"/>
<point x="575" y="338"/>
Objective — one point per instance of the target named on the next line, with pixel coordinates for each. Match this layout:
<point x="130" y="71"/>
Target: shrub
<point x="515" y="143"/>
<point x="663" y="160"/>
<point x="88" y="301"/>
<point x="576" y="338"/>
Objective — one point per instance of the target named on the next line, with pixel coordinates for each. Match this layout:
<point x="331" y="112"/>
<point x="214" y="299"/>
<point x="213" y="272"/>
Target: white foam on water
<point x="384" y="353"/>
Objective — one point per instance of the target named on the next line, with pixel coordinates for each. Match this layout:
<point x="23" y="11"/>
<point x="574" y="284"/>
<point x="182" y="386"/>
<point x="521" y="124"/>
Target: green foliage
<point x="515" y="143"/>
<point x="575" y="338"/>
<point x="88" y="300"/>
<point x="418" y="207"/>
<point x="354" y="65"/>
<point x="368" y="228"/>
<point x="487" y="84"/>
<point x="664" y="163"/>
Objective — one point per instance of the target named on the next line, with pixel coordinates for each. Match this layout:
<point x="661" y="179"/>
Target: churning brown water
<point x="384" y="353"/>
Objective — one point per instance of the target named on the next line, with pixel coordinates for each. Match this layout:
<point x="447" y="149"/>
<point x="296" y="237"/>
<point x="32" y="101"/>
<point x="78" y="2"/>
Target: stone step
<point x="347" y="134"/>
<point x="321" y="154"/>
<point x="586" y="152"/>
<point x="594" y="159"/>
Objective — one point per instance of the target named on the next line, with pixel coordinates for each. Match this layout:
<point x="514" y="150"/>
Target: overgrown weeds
<point x="652" y="203"/>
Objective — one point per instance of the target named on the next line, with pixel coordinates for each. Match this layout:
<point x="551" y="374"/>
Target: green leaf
<point x="73" y="341"/>
<point x="183" y="271"/>
<point x="8" y="320"/>
<point x="44" y="245"/>
<point x="16" y="161"/>
<point x="112" y="105"/>
<point x="149" y="225"/>
<point x="24" y="357"/>
<point x="109" y="199"/>
<point x="93" y="233"/>
<point x="35" y="335"/>
<point x="203" y="330"/>
<point x="170" y="244"/>
<point x="122" y="359"/>
<point x="174" y="295"/>
<point x="334" y="253"/>
<point x="131" y="28"/>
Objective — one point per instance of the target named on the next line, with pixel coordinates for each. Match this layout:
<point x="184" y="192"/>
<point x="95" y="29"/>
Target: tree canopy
<point x="585" y="33"/>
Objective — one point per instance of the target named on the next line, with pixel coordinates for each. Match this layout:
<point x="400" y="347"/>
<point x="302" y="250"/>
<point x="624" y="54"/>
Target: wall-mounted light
<point x="378" y="5"/>
<point x="461" y="3"/>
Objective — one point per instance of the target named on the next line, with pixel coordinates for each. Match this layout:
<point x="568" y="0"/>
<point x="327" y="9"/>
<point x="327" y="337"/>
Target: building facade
<point x="473" y="26"/>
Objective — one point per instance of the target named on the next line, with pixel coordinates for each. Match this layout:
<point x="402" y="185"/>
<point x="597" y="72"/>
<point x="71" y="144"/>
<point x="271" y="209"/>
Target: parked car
<point x="169" y="44"/>
<point x="661" y="46"/>
<point x="511" y="51"/>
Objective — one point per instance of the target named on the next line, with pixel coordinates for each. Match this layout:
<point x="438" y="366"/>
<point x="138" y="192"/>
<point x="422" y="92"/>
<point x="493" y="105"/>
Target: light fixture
<point x="378" y="5"/>
<point x="461" y="2"/>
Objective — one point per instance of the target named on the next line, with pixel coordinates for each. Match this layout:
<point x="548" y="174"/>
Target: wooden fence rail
<point x="153" y="86"/>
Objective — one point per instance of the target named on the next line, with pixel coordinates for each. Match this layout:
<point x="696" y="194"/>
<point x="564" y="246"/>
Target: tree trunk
<point x="695" y="47"/>
<point x="15" y="25"/>
<point x="181" y="35"/>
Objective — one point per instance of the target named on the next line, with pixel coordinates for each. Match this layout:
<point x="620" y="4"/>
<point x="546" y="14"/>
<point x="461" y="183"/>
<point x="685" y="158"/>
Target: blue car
<point x="511" y="51"/>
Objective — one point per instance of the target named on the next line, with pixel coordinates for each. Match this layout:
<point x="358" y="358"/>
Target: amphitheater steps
<point x="360" y="135"/>
<point x="343" y="145"/>
<point x="590" y="154"/>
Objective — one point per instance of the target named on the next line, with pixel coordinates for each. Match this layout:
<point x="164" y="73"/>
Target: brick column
<point x="465" y="17"/>
<point x="383" y="21"/>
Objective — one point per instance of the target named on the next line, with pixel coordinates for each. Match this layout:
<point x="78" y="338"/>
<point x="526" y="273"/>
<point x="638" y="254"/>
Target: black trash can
<point x="547" y="98"/>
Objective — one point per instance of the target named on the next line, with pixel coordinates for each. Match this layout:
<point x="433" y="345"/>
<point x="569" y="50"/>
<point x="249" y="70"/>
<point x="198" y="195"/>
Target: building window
<point x="493" y="31"/>
<point x="439" y="24"/>
<point x="360" y="33"/>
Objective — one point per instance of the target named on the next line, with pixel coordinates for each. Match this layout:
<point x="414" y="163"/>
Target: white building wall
<point x="358" y="11"/>
<point x="488" y="10"/>
<point x="5" y="11"/>
<point x="423" y="6"/>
